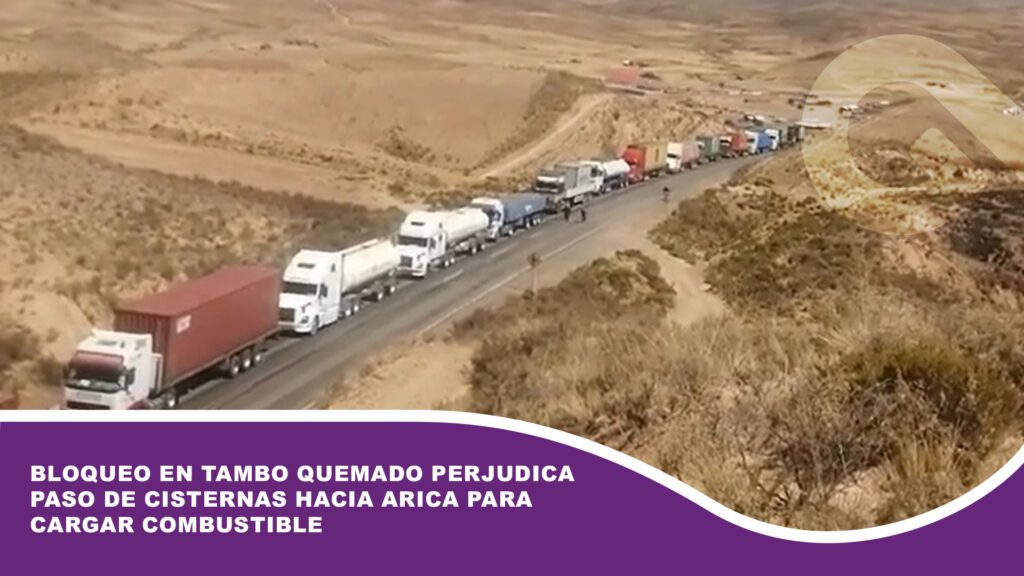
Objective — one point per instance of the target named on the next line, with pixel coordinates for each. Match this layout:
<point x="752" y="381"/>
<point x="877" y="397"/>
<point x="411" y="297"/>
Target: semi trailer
<point x="682" y="156"/>
<point x="511" y="213"/>
<point x="428" y="240"/>
<point x="734" y="144"/>
<point x="321" y="287"/>
<point x="710" y="148"/>
<point x="612" y="175"/>
<point x="616" y="174"/>
<point x="646" y="160"/>
<point x="764" y="142"/>
<point x="162" y="343"/>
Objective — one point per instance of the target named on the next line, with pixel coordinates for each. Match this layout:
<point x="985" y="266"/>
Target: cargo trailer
<point x="511" y="213"/>
<point x="710" y="148"/>
<point x="763" y="142"/>
<point x="734" y="144"/>
<point x="646" y="160"/>
<point x="163" y="342"/>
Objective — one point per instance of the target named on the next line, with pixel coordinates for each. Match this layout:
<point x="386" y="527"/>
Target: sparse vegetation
<point x="556" y="96"/>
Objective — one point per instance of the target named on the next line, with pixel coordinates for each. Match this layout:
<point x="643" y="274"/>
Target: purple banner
<point x="522" y="504"/>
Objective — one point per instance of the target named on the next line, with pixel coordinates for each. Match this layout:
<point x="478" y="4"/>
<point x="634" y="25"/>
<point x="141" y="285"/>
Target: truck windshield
<point x="413" y="241"/>
<point x="542" y="186"/>
<point x="299" y="288"/>
<point x="89" y="377"/>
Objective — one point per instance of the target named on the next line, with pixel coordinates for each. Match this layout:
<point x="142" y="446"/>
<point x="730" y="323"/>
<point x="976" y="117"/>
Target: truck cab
<point x="310" y="296"/>
<point x="495" y="211"/>
<point x="111" y="371"/>
<point x="636" y="157"/>
<point x="421" y="241"/>
<point x="597" y="176"/>
<point x="675" y="157"/>
<point x="550" y="182"/>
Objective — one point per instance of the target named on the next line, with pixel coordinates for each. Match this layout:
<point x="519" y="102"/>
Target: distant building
<point x="634" y="80"/>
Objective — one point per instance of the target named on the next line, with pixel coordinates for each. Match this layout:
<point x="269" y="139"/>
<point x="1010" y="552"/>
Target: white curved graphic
<point x="564" y="438"/>
<point x="966" y="94"/>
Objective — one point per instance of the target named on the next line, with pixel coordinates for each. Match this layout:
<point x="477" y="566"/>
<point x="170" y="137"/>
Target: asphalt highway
<point x="298" y="371"/>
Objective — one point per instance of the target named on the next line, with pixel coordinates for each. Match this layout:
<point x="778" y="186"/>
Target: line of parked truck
<point x="223" y="324"/>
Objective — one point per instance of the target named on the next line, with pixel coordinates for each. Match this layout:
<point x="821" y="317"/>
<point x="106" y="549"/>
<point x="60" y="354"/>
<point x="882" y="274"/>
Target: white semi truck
<point x="321" y="287"/>
<point x="429" y="240"/>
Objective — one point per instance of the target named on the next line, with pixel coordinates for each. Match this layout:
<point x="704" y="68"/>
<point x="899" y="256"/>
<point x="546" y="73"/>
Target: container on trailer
<point x="522" y="204"/>
<point x="646" y="160"/>
<point x="197" y="323"/>
<point x="764" y="141"/>
<point x="368" y="262"/>
<point x="710" y="147"/>
<point x="656" y="158"/>
<point x="691" y="154"/>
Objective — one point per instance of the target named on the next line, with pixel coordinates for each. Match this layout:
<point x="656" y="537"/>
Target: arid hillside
<point x="146" y="141"/>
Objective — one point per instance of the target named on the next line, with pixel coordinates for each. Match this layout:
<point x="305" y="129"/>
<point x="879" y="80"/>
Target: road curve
<point x="298" y="371"/>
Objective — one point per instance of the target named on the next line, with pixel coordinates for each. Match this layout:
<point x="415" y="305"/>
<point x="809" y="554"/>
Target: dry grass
<point x="94" y="232"/>
<point x="781" y="419"/>
<point x="555" y="97"/>
<point x="861" y="380"/>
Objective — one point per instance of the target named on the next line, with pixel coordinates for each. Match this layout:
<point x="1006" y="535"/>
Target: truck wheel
<point x="379" y="295"/>
<point x="171" y="400"/>
<point x="246" y="360"/>
<point x="391" y="289"/>
<point x="234" y="367"/>
<point x="316" y="326"/>
<point x="257" y="356"/>
<point x="355" y="309"/>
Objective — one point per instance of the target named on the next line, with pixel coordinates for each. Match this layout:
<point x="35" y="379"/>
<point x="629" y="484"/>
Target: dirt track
<point x="585" y="108"/>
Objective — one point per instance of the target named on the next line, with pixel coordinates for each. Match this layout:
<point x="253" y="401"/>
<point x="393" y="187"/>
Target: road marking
<point x="501" y="251"/>
<point x="501" y="283"/>
<point x="451" y="277"/>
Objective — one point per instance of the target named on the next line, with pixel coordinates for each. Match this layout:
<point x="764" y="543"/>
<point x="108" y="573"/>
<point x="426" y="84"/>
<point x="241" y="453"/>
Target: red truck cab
<point x="636" y="157"/>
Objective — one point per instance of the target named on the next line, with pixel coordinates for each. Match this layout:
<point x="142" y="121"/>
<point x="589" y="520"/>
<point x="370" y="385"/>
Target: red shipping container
<point x="196" y="324"/>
